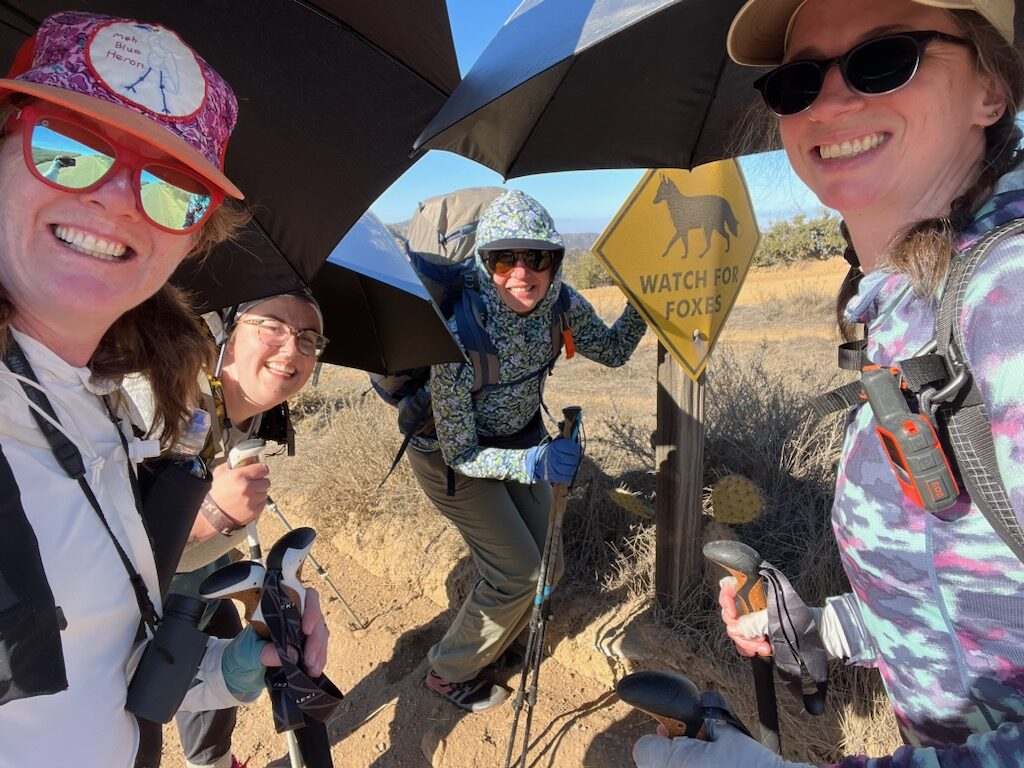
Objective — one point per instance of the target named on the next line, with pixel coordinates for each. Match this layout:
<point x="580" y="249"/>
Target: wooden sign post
<point x="680" y="248"/>
<point x="679" y="458"/>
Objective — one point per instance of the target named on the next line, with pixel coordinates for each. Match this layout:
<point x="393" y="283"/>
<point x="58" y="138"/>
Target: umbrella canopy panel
<point x="331" y="95"/>
<point x="600" y="84"/>
<point x="580" y="84"/>
<point x="377" y="313"/>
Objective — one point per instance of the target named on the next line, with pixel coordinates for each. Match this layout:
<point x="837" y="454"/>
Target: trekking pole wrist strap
<point x="217" y="518"/>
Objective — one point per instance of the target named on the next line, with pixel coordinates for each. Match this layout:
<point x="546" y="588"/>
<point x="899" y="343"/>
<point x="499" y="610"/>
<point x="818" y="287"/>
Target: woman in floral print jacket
<point x="490" y="469"/>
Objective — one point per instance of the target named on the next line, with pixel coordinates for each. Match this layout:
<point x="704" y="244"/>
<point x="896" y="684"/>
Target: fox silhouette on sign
<point x="708" y="212"/>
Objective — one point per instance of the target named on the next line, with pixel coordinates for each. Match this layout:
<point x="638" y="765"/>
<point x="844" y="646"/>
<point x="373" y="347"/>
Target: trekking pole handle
<point x="242" y="455"/>
<point x="246" y="452"/>
<point x="744" y="564"/>
<point x="242" y="581"/>
<point x="572" y="419"/>
<point x="289" y="555"/>
<point x="669" y="698"/>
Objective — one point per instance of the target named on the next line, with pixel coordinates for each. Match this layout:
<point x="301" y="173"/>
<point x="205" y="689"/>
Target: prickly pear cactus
<point x="632" y="502"/>
<point x="735" y="500"/>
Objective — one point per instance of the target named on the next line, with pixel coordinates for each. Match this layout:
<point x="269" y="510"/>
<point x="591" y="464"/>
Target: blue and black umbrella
<point x="377" y="313"/>
<point x="579" y="84"/>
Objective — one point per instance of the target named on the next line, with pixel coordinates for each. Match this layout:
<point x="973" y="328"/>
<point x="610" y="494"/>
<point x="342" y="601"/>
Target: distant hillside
<point x="399" y="229"/>
<point x="581" y="240"/>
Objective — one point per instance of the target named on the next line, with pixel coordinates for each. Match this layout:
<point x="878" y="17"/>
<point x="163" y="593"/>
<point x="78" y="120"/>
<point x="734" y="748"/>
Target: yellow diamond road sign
<point x="679" y="248"/>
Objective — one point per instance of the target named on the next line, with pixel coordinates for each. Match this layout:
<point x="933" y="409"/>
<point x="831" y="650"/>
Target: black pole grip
<point x="669" y="698"/>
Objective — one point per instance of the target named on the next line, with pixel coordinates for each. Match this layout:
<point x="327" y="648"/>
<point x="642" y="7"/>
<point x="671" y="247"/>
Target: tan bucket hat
<point x="759" y="32"/>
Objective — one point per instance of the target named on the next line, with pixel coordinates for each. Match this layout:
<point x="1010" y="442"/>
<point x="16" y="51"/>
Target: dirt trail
<point x="389" y="719"/>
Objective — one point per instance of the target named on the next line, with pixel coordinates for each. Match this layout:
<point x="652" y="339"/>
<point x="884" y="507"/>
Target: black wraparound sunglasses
<point x="881" y="65"/>
<point x="504" y="261"/>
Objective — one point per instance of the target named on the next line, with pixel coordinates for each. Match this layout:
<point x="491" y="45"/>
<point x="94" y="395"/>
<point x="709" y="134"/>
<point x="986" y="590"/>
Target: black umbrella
<point x="331" y="95"/>
<point x="377" y="313"/>
<point x="577" y="84"/>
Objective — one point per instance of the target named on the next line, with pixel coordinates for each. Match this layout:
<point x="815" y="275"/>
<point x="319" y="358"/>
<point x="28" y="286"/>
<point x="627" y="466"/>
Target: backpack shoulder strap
<point x="31" y="655"/>
<point x="561" y="329"/>
<point x="469" y="319"/>
<point x="961" y="410"/>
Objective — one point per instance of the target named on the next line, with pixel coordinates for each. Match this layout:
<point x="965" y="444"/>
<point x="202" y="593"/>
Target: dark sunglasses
<point x="881" y="65"/>
<point x="73" y="156"/>
<point x="502" y="262"/>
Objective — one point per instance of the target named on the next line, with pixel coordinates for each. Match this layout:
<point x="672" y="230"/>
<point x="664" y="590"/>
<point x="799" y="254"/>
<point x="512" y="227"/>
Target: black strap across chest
<point x="70" y="460"/>
<point x="941" y="382"/>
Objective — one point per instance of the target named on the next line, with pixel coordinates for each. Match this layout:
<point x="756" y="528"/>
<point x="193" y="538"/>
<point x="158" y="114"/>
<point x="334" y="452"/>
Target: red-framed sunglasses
<point x="72" y="155"/>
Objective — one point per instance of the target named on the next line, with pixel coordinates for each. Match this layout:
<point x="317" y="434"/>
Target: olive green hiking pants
<point x="504" y="524"/>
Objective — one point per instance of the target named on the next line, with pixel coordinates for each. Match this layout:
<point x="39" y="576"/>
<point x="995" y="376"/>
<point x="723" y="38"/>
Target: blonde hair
<point x="163" y="337"/>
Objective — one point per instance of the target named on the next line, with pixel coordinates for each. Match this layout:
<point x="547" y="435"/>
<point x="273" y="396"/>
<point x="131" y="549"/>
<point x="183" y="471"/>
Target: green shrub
<point x="581" y="270"/>
<point x="800" y="239"/>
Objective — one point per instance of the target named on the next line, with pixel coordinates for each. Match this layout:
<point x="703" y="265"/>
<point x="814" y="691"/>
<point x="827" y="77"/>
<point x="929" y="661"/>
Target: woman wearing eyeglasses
<point x="900" y="114"/>
<point x="108" y="181"/>
<point x="270" y="347"/>
<point x="493" y="471"/>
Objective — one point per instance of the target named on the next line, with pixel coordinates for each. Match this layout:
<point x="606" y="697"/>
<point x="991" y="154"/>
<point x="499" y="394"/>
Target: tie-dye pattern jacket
<point x="938" y="600"/>
<point x="524" y="345"/>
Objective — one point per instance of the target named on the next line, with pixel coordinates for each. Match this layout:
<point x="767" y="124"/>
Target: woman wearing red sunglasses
<point x="112" y="138"/>
<point x="900" y="114"/>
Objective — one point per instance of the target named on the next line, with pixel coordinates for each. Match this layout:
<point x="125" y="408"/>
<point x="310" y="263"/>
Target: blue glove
<point x="555" y="462"/>
<point x="243" y="672"/>
<point x="729" y="748"/>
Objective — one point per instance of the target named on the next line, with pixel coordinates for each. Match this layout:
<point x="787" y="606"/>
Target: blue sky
<point x="580" y="201"/>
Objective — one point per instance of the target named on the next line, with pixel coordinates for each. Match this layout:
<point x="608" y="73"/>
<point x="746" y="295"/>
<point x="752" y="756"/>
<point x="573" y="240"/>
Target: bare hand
<point x="314" y="627"/>
<point x="747" y="646"/>
<point x="241" y="493"/>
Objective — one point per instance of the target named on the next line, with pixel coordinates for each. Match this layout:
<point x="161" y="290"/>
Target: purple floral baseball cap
<point x="140" y="78"/>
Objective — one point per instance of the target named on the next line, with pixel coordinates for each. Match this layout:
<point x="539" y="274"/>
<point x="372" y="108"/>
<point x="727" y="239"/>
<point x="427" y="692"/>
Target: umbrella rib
<point x="537" y="122"/>
<point x="277" y="249"/>
<point x="338" y="22"/>
<point x="32" y="22"/>
<point x="707" y="111"/>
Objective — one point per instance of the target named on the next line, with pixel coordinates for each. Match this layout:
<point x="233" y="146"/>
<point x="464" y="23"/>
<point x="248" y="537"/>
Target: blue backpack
<point x="440" y="247"/>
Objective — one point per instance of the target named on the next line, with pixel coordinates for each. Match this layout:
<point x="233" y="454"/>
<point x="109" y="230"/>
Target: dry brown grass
<point x="756" y="425"/>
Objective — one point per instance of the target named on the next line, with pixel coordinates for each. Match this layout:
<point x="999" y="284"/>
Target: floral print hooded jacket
<point x="523" y="344"/>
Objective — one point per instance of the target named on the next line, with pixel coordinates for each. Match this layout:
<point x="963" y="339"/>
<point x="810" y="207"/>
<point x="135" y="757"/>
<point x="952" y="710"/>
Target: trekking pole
<point x="242" y="581"/>
<point x="744" y="563"/>
<point x="571" y="424"/>
<point x="320" y="570"/>
<point x="242" y="455"/>
<point x="248" y="452"/>
<point x="245" y="453"/>
<point x="669" y="698"/>
<point x="309" y="746"/>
